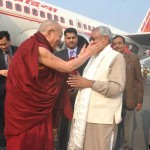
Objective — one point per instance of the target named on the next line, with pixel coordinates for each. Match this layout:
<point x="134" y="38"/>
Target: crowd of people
<point x="78" y="98"/>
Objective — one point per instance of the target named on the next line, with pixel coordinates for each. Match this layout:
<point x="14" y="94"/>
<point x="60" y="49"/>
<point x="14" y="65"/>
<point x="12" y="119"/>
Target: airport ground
<point x="141" y="137"/>
<point x="142" y="130"/>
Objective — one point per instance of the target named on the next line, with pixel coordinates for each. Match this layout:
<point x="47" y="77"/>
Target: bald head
<point x="49" y="24"/>
<point x="52" y="31"/>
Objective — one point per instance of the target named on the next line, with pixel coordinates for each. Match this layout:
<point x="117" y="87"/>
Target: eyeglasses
<point x="60" y="34"/>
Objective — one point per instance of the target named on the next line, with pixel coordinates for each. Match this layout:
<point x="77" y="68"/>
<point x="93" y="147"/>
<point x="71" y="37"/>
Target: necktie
<point x="72" y="54"/>
<point x="9" y="59"/>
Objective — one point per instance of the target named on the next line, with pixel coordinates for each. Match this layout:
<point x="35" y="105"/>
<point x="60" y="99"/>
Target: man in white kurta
<point x="99" y="100"/>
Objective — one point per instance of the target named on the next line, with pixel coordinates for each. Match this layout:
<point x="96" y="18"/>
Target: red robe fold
<point x="32" y="95"/>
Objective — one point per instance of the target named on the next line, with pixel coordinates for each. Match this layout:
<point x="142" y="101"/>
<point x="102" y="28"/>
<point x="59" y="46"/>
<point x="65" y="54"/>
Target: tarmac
<point x="142" y="131"/>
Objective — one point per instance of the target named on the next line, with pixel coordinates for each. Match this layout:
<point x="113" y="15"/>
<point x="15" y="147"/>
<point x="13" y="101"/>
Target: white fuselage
<point x="23" y="17"/>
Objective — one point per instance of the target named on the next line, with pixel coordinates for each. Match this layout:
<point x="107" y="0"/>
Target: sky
<point x="126" y="15"/>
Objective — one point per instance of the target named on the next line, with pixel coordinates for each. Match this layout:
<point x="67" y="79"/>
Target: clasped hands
<point x="76" y="81"/>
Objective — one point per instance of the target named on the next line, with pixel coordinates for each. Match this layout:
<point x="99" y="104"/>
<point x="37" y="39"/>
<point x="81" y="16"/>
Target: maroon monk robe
<point x="32" y="93"/>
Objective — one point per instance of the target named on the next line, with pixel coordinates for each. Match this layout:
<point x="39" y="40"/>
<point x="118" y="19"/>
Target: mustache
<point x="71" y="42"/>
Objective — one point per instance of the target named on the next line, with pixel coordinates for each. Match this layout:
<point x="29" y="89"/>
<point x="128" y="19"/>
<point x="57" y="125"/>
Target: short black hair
<point x="119" y="36"/>
<point x="70" y="30"/>
<point x="5" y="34"/>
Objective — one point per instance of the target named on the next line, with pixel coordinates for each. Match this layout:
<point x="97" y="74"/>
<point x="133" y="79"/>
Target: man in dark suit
<point x="132" y="96"/>
<point x="70" y="52"/>
<point x="6" y="53"/>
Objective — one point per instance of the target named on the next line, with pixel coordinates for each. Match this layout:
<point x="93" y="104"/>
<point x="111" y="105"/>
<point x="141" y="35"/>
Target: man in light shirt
<point x="98" y="103"/>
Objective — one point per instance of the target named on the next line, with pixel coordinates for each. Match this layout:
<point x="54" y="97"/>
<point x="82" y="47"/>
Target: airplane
<point x="21" y="18"/>
<point x="142" y="36"/>
<point x="145" y="27"/>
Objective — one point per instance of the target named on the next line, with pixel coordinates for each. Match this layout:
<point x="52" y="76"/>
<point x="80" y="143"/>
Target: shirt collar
<point x="8" y="51"/>
<point x="75" y="50"/>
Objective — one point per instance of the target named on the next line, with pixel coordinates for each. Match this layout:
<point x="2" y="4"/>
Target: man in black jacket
<point x="6" y="53"/>
<point x="132" y="95"/>
<point x="70" y="52"/>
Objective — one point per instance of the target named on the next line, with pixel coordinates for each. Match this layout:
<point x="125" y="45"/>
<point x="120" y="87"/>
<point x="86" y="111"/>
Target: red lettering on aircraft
<point x="28" y="1"/>
<point x="38" y="4"/>
<point x="54" y="10"/>
<point x="45" y="6"/>
<point x="19" y="0"/>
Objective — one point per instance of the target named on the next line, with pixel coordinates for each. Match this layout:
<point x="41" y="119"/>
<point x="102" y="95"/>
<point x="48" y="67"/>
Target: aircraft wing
<point x="141" y="38"/>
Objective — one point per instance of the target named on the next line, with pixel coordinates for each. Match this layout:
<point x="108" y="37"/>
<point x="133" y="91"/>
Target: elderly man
<point x="99" y="100"/>
<point x="36" y="89"/>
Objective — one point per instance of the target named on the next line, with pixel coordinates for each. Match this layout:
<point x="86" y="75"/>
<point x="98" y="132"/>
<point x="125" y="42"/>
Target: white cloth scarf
<point x="81" y="107"/>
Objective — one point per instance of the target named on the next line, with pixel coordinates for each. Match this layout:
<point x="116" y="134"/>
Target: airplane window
<point x="85" y="26"/>
<point x="26" y="10"/>
<point x="18" y="7"/>
<point x="89" y="27"/>
<point x="62" y="20"/>
<point x="70" y="22"/>
<point x="35" y="12"/>
<point x="79" y="25"/>
<point x="56" y="18"/>
<point x="9" y="5"/>
<point x="1" y="3"/>
<point x="42" y="14"/>
<point x="49" y="16"/>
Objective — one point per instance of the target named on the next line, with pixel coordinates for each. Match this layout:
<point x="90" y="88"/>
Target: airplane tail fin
<point x="145" y="26"/>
